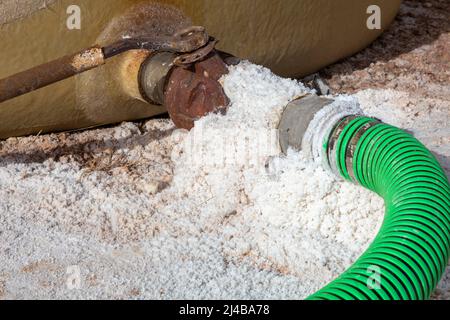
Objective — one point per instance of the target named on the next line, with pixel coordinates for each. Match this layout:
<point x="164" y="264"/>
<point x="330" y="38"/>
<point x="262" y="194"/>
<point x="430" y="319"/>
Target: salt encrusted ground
<point x="138" y="215"/>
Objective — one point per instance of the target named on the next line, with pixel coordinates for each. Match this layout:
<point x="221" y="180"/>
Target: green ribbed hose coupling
<point x="410" y="253"/>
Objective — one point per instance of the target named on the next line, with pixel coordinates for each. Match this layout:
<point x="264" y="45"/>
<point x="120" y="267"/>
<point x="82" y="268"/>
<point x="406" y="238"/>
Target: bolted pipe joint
<point x="187" y="92"/>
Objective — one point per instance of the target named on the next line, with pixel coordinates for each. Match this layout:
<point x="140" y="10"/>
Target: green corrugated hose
<point x="410" y="253"/>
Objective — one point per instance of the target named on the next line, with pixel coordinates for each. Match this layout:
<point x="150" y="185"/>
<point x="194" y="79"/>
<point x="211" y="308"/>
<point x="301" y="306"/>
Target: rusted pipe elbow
<point x="188" y="93"/>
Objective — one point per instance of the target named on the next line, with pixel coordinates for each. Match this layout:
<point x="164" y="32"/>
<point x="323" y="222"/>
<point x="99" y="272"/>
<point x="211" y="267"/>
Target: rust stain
<point x="92" y="280"/>
<point x="135" y="292"/>
<point x="39" y="266"/>
<point x="88" y="59"/>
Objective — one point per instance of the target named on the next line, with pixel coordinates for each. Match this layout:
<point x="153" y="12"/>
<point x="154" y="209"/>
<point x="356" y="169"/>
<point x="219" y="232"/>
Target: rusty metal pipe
<point x="46" y="74"/>
<point x="186" y="41"/>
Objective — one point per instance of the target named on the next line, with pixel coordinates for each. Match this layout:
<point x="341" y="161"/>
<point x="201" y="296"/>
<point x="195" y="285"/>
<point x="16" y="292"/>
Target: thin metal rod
<point x="46" y="74"/>
<point x="187" y="40"/>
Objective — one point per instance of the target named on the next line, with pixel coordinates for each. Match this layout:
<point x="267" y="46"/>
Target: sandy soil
<point x="412" y="56"/>
<point x="101" y="213"/>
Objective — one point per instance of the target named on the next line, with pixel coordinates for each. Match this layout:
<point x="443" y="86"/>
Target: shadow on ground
<point x="83" y="151"/>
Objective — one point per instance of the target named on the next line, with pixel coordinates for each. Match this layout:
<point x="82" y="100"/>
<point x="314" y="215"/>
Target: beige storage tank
<point x="292" y="37"/>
